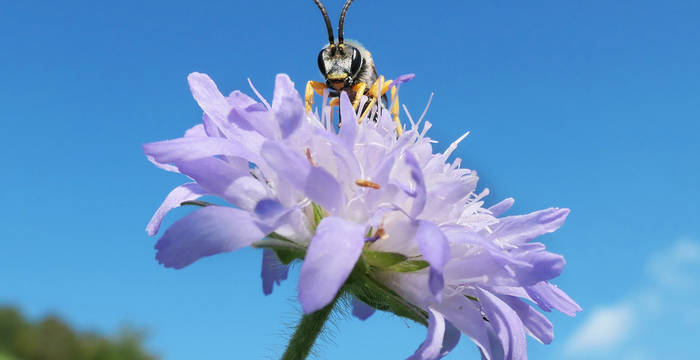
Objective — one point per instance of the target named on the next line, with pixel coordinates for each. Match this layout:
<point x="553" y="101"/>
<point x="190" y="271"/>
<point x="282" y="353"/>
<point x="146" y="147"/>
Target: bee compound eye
<point x="321" y="64"/>
<point x="356" y="60"/>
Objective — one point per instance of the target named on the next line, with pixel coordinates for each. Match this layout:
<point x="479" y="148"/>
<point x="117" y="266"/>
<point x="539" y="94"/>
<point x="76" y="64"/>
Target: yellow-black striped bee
<point x="348" y="66"/>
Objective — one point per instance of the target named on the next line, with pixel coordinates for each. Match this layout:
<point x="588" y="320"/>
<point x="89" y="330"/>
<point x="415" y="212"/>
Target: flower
<point x="371" y="214"/>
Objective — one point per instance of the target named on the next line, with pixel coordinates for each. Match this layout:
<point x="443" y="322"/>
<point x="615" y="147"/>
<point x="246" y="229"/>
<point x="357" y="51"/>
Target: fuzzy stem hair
<point x="307" y="331"/>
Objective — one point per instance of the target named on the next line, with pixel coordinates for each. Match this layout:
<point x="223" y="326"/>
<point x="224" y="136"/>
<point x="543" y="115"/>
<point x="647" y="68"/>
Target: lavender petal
<point x="218" y="177"/>
<point x="420" y="191"/>
<point x="436" y="251"/>
<point x="194" y="147"/>
<point x="451" y="338"/>
<point x="185" y="192"/>
<point x="537" y="324"/>
<point x="348" y="131"/>
<point x="330" y="258"/>
<point x="272" y="272"/>
<point x="506" y="324"/>
<point x="503" y="206"/>
<point x="361" y="310"/>
<point x="320" y="186"/>
<point x="431" y="348"/>
<point x="523" y="228"/>
<point x="287" y="105"/>
<point x="465" y="316"/>
<point x="208" y="231"/>
<point x="548" y="296"/>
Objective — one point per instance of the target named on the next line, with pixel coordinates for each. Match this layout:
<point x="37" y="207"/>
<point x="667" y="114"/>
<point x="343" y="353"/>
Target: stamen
<point x="308" y="157"/>
<point x="381" y="234"/>
<point x="367" y="183"/>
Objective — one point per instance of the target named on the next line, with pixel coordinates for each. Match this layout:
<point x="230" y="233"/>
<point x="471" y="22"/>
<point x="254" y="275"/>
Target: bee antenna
<point x="342" y="21"/>
<point x="329" y="27"/>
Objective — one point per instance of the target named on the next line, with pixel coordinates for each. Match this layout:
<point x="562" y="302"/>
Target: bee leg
<point x="394" y="102"/>
<point x="368" y="107"/>
<point x="359" y="90"/>
<point x="373" y="94"/>
<point x="374" y="90"/>
<point x="312" y="86"/>
<point x="395" y="110"/>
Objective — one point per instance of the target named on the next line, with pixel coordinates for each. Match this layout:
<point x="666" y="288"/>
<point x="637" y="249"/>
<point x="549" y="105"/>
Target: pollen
<point x="381" y="234"/>
<point x="367" y="183"/>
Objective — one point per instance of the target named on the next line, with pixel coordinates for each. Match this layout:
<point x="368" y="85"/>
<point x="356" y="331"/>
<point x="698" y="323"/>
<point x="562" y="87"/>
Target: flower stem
<point x="306" y="333"/>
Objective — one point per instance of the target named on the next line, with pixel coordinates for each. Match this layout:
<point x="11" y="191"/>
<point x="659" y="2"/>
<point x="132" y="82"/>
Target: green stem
<point x="306" y="333"/>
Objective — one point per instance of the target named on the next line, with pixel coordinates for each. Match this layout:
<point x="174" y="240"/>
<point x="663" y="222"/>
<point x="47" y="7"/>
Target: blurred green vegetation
<point x="52" y="339"/>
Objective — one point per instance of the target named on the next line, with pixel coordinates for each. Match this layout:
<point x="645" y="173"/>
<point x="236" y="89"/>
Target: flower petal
<point x="522" y="228"/>
<point x="238" y="99"/>
<point x="451" y="338"/>
<point x="348" y="131"/>
<point x="330" y="258"/>
<point x="205" y="232"/>
<point x="503" y="206"/>
<point x="218" y="108"/>
<point x="507" y="325"/>
<point x="544" y="264"/>
<point x="218" y="177"/>
<point x="436" y="250"/>
<point x="430" y="349"/>
<point x="361" y="310"/>
<point x="420" y="192"/>
<point x="195" y="147"/>
<point x="196" y="131"/>
<point x="166" y="167"/>
<point x="207" y="95"/>
<point x="257" y="118"/>
<point x="320" y="186"/>
<point x="272" y="272"/>
<point x="537" y="324"/>
<point x="186" y="192"/>
<point x="287" y="105"/>
<point x="464" y="315"/>
<point x="548" y="296"/>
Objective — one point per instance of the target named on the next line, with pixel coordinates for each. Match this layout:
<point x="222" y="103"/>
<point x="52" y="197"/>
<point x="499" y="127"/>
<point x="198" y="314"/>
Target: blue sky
<point x="590" y="105"/>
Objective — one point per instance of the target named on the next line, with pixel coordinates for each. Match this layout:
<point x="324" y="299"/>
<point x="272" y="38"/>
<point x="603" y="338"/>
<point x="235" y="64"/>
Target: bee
<point x="348" y="66"/>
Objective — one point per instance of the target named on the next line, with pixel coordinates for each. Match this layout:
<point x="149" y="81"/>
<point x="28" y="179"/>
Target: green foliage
<point x="52" y="339"/>
<point x="409" y="266"/>
<point x="382" y="260"/>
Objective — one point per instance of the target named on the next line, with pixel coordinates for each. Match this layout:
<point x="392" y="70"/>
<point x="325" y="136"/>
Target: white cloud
<point x="677" y="267"/>
<point x="606" y="327"/>
<point x="664" y="308"/>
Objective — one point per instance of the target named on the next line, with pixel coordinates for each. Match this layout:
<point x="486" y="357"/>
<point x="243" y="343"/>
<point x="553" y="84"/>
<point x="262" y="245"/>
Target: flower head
<point x="372" y="214"/>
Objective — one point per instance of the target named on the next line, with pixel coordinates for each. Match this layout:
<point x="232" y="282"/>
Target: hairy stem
<point x="306" y="333"/>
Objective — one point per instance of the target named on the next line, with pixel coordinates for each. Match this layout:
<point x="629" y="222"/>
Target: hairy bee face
<point x="341" y="65"/>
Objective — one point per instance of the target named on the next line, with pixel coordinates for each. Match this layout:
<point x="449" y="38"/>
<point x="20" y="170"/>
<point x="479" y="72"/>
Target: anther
<point x="308" y="157"/>
<point x="367" y="183"/>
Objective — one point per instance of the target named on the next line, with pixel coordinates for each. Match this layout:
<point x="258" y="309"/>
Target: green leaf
<point x="409" y="266"/>
<point x="472" y="298"/>
<point x="286" y="250"/>
<point x="380" y="297"/>
<point x="383" y="260"/>
<point x="274" y="235"/>
<point x="286" y="256"/>
<point x="319" y="214"/>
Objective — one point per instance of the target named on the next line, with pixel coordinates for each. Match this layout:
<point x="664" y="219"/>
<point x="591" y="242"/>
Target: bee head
<point x="339" y="63"/>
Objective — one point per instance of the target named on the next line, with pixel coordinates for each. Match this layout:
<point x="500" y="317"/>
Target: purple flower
<point x="371" y="214"/>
